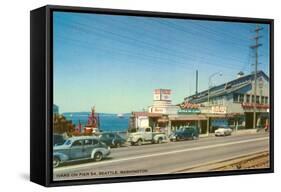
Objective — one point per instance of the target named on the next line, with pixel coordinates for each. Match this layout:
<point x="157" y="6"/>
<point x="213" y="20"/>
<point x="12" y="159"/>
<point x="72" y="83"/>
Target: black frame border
<point x="49" y="9"/>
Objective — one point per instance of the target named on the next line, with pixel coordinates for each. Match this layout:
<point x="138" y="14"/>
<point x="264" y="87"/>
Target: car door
<point x="186" y="133"/>
<point x="88" y="148"/>
<point x="147" y="134"/>
<point x="112" y="139"/>
<point x="105" y="138"/>
<point x="77" y="150"/>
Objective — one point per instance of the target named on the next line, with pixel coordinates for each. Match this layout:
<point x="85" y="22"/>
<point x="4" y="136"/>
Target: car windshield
<point x="179" y="130"/>
<point x="67" y="142"/>
<point x="224" y="126"/>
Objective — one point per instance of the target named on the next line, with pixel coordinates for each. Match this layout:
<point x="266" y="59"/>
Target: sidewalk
<point x="239" y="132"/>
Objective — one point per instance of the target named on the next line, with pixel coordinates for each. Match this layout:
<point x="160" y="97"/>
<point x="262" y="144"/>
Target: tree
<point x="62" y="125"/>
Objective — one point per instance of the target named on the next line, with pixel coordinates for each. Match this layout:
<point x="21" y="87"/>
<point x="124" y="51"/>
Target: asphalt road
<point x="164" y="158"/>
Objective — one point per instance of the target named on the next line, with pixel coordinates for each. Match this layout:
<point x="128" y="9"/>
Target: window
<point x="77" y="143"/>
<point x="68" y="142"/>
<point x="247" y="98"/>
<point x="88" y="142"/>
<point x="266" y="100"/>
<point x="258" y="99"/>
<point x="235" y="97"/>
<point x="262" y="99"/>
<point x="241" y="98"/>
<point x="95" y="141"/>
<point x="253" y="98"/>
<point x="147" y="130"/>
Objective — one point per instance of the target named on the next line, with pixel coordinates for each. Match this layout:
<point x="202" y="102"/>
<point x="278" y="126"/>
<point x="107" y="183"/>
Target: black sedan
<point x="191" y="132"/>
<point x="112" y="139"/>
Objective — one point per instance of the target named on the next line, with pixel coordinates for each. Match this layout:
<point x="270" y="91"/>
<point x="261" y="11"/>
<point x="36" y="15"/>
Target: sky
<point x="115" y="62"/>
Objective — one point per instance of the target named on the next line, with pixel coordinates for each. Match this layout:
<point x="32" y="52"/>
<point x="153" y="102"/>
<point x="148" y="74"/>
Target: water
<point x="108" y="122"/>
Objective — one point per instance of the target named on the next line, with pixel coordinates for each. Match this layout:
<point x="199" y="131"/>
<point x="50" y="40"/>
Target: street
<point x="150" y="159"/>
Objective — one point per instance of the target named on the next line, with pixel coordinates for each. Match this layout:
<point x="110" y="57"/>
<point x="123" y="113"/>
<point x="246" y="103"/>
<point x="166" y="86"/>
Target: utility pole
<point x="255" y="48"/>
<point x="196" y="83"/>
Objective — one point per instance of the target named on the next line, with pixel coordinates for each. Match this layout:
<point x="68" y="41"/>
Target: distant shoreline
<point x="87" y="113"/>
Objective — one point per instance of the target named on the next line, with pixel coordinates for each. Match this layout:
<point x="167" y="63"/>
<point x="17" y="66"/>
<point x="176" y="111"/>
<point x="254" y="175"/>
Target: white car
<point x="223" y="131"/>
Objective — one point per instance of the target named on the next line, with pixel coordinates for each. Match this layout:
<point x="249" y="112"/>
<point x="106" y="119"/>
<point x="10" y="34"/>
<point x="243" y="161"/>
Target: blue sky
<point x="115" y="62"/>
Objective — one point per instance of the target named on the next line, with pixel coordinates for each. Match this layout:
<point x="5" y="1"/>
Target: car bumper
<point x="219" y="134"/>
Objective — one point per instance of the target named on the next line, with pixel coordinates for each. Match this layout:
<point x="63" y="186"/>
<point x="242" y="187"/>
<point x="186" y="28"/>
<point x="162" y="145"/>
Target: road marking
<point x="159" y="154"/>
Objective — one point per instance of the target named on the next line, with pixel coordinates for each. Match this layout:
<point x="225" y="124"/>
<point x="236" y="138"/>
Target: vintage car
<point x="146" y="135"/>
<point x="112" y="139"/>
<point x="58" y="139"/>
<point x="79" y="148"/>
<point x="223" y="131"/>
<point x="190" y="132"/>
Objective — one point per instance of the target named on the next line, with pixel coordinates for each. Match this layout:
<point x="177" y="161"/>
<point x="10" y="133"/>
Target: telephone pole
<point x="255" y="48"/>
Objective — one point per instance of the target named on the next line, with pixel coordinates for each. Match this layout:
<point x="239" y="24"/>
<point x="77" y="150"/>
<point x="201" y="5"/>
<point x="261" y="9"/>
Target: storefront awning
<point x="188" y="118"/>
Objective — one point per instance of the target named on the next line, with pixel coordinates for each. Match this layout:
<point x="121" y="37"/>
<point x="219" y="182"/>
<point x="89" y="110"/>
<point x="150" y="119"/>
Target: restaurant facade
<point x="230" y="104"/>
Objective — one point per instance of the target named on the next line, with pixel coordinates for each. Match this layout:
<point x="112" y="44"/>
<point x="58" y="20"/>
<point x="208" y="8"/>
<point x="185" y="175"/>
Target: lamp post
<point x="209" y="87"/>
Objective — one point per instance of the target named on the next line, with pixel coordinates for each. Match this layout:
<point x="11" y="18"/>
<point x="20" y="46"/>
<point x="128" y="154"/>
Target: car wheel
<point x="139" y="142"/>
<point x="98" y="156"/>
<point x="194" y="137"/>
<point x="56" y="162"/>
<point x="160" y="140"/>
<point x="117" y="145"/>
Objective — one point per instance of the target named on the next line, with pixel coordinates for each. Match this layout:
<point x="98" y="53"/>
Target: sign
<point x="251" y="106"/>
<point x="188" y="111"/>
<point x="219" y="109"/>
<point x="158" y="110"/>
<point x="162" y="94"/>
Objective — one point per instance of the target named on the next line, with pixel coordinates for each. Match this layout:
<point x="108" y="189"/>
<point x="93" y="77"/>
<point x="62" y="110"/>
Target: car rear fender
<point x="97" y="150"/>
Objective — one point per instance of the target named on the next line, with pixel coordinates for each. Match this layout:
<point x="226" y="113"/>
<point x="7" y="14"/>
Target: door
<point x="187" y="133"/>
<point x="77" y="150"/>
<point x="148" y="134"/>
<point x="88" y="147"/>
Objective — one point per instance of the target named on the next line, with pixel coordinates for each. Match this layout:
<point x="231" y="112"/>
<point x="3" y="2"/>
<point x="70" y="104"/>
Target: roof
<point x="144" y="113"/>
<point x="82" y="137"/>
<point x="226" y="88"/>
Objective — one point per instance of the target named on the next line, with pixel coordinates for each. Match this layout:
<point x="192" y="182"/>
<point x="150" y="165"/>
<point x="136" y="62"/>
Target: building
<point x="162" y="102"/>
<point x="233" y="102"/>
<point x="164" y="116"/>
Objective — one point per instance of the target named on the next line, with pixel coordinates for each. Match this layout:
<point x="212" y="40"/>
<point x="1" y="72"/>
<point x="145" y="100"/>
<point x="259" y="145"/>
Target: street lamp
<point x="209" y="87"/>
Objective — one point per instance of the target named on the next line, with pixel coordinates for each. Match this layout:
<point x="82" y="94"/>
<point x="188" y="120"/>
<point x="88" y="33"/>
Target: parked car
<point x="223" y="131"/>
<point x="78" y="148"/>
<point x="146" y="135"/>
<point x="112" y="139"/>
<point x="58" y="139"/>
<point x="190" y="132"/>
